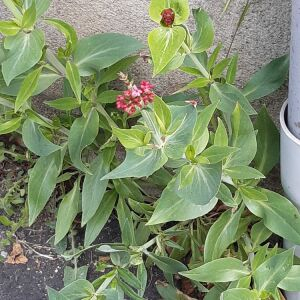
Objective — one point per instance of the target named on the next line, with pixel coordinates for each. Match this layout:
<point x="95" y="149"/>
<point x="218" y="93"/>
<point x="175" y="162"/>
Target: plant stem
<point x="103" y="112"/>
<point x="196" y="61"/>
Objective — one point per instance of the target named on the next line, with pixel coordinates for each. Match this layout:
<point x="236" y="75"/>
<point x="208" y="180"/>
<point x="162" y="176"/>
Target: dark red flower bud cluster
<point x="135" y="97"/>
<point x="168" y="17"/>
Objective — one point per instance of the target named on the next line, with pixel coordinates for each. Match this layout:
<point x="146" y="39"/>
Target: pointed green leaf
<point x="28" y="87"/>
<point x="42" y="182"/>
<point x="268" y="142"/>
<point x="139" y="164"/>
<point x="228" y="96"/>
<point x="24" y="51"/>
<point x="278" y="213"/>
<point x="268" y="79"/>
<point x="259" y="234"/>
<point x="83" y="132"/>
<point x="215" y="154"/>
<point x="291" y="282"/>
<point x="100" y="51"/>
<point x="243" y="172"/>
<point x="35" y="141"/>
<point x="269" y="274"/>
<point x="9" y="28"/>
<point x="203" y="38"/>
<point x="78" y="290"/>
<point x="243" y="137"/>
<point x="219" y="270"/>
<point x="100" y="218"/>
<point x="65" y="104"/>
<point x="170" y="207"/>
<point x="130" y="138"/>
<point x="221" y="136"/>
<point x="29" y="16"/>
<point x="68" y="209"/>
<point x="10" y="126"/>
<point x="232" y="69"/>
<point x="164" y="43"/>
<point x="162" y="114"/>
<point x="74" y="79"/>
<point x="199" y="184"/>
<point x="93" y="188"/>
<point x="222" y="234"/>
<point x="238" y="294"/>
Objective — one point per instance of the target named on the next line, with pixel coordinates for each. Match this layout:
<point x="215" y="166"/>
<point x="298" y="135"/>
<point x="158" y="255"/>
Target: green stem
<point x="103" y="112"/>
<point x="196" y="61"/>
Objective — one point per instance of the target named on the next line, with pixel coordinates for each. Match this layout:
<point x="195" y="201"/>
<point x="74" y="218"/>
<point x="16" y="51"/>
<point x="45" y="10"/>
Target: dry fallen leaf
<point x="16" y="256"/>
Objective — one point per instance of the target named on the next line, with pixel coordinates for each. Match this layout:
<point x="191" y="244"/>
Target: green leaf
<point x="130" y="138"/>
<point x="78" y="290"/>
<point x="164" y="43"/>
<point x="65" y="104"/>
<point x="29" y="16"/>
<point x="243" y="137"/>
<point x="220" y="68"/>
<point x="129" y="291"/>
<point x="74" y="79"/>
<point x="268" y="142"/>
<point x="259" y="234"/>
<point x="41" y="6"/>
<point x="203" y="38"/>
<point x="111" y="73"/>
<point x="162" y="114"/>
<point x="100" y="51"/>
<point x="243" y="172"/>
<point x="9" y="28"/>
<point x="93" y="188"/>
<point x="219" y="270"/>
<point x="269" y="274"/>
<point x="28" y="87"/>
<point x="195" y="84"/>
<point x="199" y="184"/>
<point x="10" y="126"/>
<point x="107" y="97"/>
<point x="215" y="154"/>
<point x="35" y="141"/>
<point x="71" y="275"/>
<point x="291" y="282"/>
<point x="171" y="207"/>
<point x="42" y="182"/>
<point x="225" y="195"/>
<point x="221" y="136"/>
<point x="83" y="132"/>
<point x="213" y="58"/>
<point x="68" y="209"/>
<point x="126" y="223"/>
<point x="180" y="131"/>
<point x="268" y="79"/>
<point x="11" y="5"/>
<point x="45" y="80"/>
<point x="222" y="234"/>
<point x="127" y="188"/>
<point x="95" y="225"/>
<point x="232" y="69"/>
<point x="25" y="50"/>
<point x="55" y="295"/>
<point x="139" y="164"/>
<point x="167" y="264"/>
<point x="228" y="96"/>
<point x="278" y="213"/>
<point x="180" y="7"/>
<point x="66" y="29"/>
<point x="238" y="294"/>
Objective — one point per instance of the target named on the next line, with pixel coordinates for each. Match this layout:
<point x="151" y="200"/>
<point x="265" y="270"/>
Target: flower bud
<point x="167" y="17"/>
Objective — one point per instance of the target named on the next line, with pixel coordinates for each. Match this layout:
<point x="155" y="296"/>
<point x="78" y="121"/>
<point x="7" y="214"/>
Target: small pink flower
<point x="135" y="97"/>
<point x="192" y="102"/>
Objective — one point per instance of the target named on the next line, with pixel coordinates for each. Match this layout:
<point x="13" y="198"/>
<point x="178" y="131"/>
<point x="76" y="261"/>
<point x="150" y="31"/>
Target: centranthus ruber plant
<point x="188" y="196"/>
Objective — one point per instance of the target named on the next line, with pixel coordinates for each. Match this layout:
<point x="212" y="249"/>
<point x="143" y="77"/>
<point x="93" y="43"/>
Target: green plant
<point x="212" y="220"/>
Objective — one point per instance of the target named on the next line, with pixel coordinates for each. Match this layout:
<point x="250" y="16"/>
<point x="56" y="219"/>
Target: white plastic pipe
<point x="294" y="81"/>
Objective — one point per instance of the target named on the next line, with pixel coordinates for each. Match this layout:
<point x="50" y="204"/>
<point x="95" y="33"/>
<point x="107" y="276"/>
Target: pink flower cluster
<point x="135" y="97"/>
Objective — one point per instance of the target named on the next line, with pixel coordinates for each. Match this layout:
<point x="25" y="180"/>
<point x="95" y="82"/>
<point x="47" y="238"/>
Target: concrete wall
<point x="264" y="35"/>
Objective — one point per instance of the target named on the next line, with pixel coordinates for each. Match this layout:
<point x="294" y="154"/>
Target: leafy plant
<point x="212" y="220"/>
